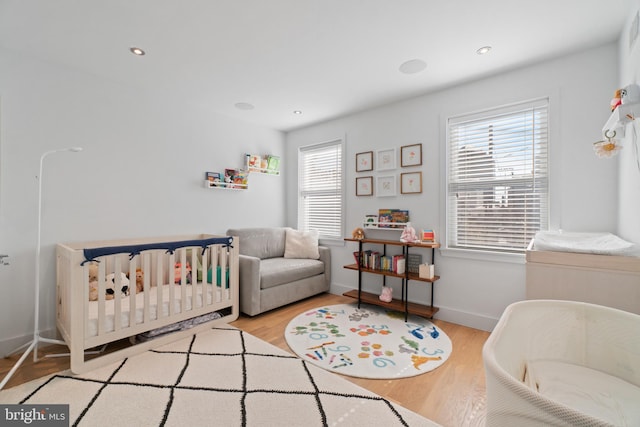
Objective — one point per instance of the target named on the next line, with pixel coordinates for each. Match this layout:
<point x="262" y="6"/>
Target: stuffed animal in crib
<point x="178" y="273"/>
<point x="111" y="284"/>
<point x="93" y="282"/>
<point x="139" y="280"/>
<point x="357" y="233"/>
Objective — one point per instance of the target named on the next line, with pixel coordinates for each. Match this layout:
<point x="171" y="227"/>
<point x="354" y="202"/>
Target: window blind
<point x="320" y="186"/>
<point x="497" y="188"/>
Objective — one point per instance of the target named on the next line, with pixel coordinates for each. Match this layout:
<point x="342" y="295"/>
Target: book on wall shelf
<point x="263" y="163"/>
<point x="387" y="219"/>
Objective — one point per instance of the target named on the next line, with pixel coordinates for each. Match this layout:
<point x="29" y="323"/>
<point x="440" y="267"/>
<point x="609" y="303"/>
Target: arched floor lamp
<point x="33" y="344"/>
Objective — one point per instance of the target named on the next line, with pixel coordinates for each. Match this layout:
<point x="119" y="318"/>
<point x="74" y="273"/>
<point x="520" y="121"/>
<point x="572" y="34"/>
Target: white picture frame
<point x="386" y="159"/>
<point x="386" y="186"/>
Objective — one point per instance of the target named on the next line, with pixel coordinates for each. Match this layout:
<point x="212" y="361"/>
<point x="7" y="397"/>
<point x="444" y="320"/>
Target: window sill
<point x="483" y="255"/>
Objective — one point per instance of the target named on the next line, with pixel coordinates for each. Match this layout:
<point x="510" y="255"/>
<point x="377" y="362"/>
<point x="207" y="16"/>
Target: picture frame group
<point x="384" y="160"/>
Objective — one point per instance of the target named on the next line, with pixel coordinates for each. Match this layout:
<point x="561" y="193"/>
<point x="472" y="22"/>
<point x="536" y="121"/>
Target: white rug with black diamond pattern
<point x="219" y="377"/>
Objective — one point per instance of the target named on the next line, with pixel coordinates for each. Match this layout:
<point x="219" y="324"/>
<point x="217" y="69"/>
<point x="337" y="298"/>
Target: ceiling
<point x="325" y="58"/>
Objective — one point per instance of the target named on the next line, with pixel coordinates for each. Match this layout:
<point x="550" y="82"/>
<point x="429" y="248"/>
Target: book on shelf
<point x="371" y="221"/>
<point x="413" y="263"/>
<point x="273" y="164"/>
<point x="392" y="218"/>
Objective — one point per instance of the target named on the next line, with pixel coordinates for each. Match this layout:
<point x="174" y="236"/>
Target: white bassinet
<point x="212" y="287"/>
<point x="563" y="363"/>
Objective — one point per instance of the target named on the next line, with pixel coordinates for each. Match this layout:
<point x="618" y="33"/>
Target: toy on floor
<point x="385" y="296"/>
<point x="178" y="273"/>
<point x="358" y="233"/>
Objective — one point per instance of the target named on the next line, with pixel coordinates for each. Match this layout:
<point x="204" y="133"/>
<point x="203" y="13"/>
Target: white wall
<point x="140" y="174"/>
<point x="628" y="162"/>
<point x="475" y="292"/>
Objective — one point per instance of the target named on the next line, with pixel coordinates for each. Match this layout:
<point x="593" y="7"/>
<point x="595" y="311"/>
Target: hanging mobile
<point x="607" y="148"/>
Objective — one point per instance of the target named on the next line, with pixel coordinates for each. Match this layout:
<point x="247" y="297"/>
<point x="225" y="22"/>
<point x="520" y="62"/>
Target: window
<point x="320" y="186"/>
<point x="497" y="178"/>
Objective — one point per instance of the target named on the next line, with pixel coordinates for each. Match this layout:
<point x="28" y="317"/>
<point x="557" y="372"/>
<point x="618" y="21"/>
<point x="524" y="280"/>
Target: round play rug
<point x="367" y="342"/>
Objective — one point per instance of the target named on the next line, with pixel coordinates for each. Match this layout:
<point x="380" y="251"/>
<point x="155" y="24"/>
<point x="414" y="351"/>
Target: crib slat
<point x="132" y="291"/>
<point x="214" y="273"/>
<point x="195" y="285"/>
<point x="223" y="275"/>
<point x="101" y="297"/>
<point x="183" y="280"/>
<point x="160" y="285"/>
<point x="85" y="281"/>
<point x="172" y="291"/>
<point x="205" y="276"/>
<point x="146" y="269"/>
<point x="117" y="296"/>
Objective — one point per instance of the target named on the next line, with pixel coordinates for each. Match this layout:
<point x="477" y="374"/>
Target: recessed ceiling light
<point x="137" y="51"/>
<point x="412" y="66"/>
<point x="244" y="106"/>
<point x="297" y="112"/>
<point x="483" y="50"/>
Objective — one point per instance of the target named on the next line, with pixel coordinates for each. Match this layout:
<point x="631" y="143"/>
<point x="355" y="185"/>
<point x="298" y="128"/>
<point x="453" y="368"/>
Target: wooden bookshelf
<point x="403" y="304"/>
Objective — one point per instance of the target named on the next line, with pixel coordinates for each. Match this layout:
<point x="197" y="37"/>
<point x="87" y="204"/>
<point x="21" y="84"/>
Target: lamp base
<point x="31" y="346"/>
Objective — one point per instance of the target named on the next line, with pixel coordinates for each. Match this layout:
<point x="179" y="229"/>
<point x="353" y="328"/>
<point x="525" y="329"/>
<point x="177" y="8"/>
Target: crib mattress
<point x="213" y="294"/>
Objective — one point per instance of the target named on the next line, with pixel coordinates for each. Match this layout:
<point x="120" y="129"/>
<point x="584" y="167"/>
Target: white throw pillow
<point x="301" y="244"/>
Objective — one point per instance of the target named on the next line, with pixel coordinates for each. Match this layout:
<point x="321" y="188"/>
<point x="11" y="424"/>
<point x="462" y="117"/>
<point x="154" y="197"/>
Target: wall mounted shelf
<point x="225" y="186"/>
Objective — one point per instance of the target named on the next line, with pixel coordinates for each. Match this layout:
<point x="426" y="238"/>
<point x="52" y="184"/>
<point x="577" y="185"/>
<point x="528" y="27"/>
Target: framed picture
<point x="411" y="155"/>
<point x="411" y="182"/>
<point x="386" y="159"/>
<point x="364" y="186"/>
<point x="386" y="186"/>
<point x="364" y="161"/>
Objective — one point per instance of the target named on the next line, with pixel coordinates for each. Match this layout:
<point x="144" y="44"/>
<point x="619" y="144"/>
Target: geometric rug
<point x="218" y="377"/>
<point x="367" y="342"/>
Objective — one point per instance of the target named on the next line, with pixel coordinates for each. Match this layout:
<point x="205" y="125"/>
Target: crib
<point x="172" y="303"/>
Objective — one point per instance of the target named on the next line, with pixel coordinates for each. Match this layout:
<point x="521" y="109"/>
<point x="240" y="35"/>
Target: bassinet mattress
<point x="213" y="294"/>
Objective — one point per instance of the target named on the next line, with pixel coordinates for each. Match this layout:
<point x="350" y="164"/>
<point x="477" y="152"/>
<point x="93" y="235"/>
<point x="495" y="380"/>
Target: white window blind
<point x="497" y="195"/>
<point x="320" y="183"/>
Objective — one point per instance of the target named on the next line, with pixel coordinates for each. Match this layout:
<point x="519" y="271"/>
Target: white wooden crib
<point x="209" y="296"/>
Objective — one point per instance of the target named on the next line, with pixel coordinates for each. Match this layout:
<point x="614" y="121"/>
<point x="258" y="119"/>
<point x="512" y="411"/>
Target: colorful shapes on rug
<point x="421" y="360"/>
<point x="382" y="346"/>
<point x="319" y="330"/>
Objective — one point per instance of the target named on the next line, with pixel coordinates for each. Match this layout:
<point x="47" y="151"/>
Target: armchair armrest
<point x="325" y="257"/>
<point x="249" y="284"/>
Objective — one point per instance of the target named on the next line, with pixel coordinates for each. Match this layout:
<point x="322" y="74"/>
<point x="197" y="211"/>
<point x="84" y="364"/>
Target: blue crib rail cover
<point x="133" y="250"/>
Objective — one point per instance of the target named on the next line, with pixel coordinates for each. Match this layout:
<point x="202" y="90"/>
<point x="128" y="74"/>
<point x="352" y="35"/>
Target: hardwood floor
<point x="451" y="395"/>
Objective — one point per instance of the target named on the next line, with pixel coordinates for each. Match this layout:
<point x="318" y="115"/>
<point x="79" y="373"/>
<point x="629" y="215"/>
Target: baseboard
<point x="464" y="318"/>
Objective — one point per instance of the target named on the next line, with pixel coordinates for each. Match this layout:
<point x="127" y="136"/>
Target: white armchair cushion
<point x="301" y="244"/>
